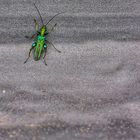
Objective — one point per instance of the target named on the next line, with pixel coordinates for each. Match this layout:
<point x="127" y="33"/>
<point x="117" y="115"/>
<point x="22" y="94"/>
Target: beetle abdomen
<point x="37" y="53"/>
<point x="39" y="46"/>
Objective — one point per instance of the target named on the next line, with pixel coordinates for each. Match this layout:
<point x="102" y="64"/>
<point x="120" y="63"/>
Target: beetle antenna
<point x="54" y="17"/>
<point x="39" y="14"/>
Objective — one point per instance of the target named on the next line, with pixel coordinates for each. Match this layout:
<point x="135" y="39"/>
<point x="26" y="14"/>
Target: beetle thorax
<point x="43" y="30"/>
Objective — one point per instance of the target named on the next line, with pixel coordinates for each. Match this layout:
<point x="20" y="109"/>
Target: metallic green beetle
<point x="40" y="44"/>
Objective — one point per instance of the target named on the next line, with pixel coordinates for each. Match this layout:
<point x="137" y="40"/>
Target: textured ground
<point x="89" y="91"/>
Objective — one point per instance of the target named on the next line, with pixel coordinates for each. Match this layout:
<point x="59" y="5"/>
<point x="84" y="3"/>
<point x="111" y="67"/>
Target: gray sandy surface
<point x="90" y="91"/>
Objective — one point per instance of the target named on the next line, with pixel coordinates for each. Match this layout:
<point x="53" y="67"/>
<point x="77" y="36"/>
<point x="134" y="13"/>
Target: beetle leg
<point x="35" y="34"/>
<point x="53" y="46"/>
<point x="53" y="27"/>
<point x="36" y="25"/>
<point x="28" y="55"/>
<point x="32" y="37"/>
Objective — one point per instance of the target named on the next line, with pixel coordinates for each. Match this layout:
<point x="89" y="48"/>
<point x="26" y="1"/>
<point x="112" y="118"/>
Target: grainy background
<point x="89" y="91"/>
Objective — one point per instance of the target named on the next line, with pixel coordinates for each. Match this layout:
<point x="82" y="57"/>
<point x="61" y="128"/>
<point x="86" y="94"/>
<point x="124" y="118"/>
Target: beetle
<point x="40" y="43"/>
